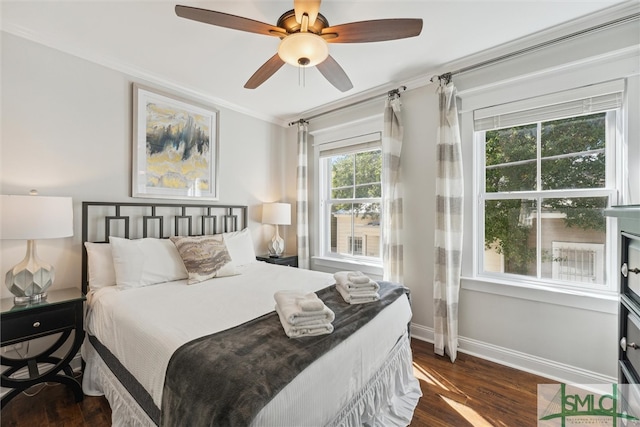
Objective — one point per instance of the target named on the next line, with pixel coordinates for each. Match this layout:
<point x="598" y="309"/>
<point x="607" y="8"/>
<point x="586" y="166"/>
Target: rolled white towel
<point x="342" y="278"/>
<point x="357" y="297"/>
<point x="357" y="278"/>
<point x="310" y="302"/>
<point x="287" y="301"/>
<point x="297" y="331"/>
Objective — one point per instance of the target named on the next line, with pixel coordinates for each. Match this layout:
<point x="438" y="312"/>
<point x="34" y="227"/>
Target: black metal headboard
<point x="161" y="220"/>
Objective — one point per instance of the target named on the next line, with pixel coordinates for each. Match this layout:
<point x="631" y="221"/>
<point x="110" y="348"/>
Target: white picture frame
<point x="175" y="149"/>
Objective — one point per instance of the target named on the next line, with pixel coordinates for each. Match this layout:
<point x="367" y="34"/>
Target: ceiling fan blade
<point x="310" y="7"/>
<point x="373" y="31"/>
<point x="267" y="70"/>
<point x="333" y="72"/>
<point x="226" y="20"/>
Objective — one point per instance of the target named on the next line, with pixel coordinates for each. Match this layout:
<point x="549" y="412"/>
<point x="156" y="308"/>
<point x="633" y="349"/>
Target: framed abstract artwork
<point x="175" y="147"/>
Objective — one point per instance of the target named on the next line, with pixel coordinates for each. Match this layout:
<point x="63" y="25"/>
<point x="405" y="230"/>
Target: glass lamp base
<point x="276" y="246"/>
<point x="32" y="299"/>
<point x="29" y="279"/>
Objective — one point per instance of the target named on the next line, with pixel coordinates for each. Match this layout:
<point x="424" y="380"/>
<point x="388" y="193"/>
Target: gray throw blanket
<point x="226" y="378"/>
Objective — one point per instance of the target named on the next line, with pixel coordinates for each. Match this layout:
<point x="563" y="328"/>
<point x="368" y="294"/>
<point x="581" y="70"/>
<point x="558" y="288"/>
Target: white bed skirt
<point x="390" y="397"/>
<point x="98" y="380"/>
<point x="387" y="399"/>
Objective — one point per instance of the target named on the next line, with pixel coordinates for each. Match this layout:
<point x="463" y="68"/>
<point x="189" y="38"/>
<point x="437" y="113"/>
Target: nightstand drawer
<point x="31" y="325"/>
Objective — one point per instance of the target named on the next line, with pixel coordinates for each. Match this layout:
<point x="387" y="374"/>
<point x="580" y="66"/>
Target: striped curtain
<point x="302" y="205"/>
<point x="448" y="230"/>
<point x="392" y="190"/>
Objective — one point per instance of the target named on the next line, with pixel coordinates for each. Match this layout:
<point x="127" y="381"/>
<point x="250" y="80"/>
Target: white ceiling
<point x="148" y="41"/>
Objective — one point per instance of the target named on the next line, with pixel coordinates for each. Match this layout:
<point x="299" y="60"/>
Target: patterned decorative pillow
<point x="204" y="257"/>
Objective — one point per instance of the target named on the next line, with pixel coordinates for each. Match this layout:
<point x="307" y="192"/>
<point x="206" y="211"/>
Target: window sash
<point x="326" y="236"/>
<point x="351" y="150"/>
<point x="610" y="242"/>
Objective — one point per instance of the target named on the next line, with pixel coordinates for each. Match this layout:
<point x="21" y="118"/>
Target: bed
<point x="169" y="347"/>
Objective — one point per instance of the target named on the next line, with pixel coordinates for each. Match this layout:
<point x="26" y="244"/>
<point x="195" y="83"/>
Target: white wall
<point x="66" y="131"/>
<point x="562" y="336"/>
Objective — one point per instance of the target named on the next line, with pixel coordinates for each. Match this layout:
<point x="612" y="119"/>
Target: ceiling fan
<point x="304" y="34"/>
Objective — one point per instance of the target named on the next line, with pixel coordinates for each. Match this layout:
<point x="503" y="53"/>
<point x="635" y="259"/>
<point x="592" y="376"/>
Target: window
<point x="355" y="245"/>
<point x="350" y="199"/>
<point x="578" y="262"/>
<point x="546" y="173"/>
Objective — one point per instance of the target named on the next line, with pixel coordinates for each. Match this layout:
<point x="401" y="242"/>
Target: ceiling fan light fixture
<point x="303" y="49"/>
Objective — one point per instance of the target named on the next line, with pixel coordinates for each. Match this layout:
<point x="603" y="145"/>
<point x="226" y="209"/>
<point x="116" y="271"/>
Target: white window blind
<point x="367" y="142"/>
<point x="580" y="101"/>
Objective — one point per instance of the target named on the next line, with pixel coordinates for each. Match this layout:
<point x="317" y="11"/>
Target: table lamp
<point x="30" y="218"/>
<point x="276" y="214"/>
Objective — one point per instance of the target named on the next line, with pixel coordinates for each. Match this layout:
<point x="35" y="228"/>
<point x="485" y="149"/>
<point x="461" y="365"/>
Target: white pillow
<point x="143" y="262"/>
<point x="100" y="265"/>
<point x="240" y="246"/>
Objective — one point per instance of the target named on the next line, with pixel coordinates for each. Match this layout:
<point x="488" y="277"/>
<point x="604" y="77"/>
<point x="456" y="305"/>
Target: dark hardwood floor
<point x="470" y="392"/>
<point x="54" y="405"/>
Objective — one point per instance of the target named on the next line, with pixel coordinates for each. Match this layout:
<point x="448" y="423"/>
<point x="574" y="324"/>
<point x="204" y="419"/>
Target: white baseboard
<point x="514" y="359"/>
<point x="76" y="366"/>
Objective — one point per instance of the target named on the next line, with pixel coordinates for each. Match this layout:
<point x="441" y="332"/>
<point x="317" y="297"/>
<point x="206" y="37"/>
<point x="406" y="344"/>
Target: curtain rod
<point x="447" y="76"/>
<point x="390" y="94"/>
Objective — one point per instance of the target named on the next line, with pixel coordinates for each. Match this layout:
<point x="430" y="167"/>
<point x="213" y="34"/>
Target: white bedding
<point x="144" y="326"/>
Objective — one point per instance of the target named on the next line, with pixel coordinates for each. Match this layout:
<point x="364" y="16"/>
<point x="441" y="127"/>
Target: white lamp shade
<point x="303" y="49"/>
<point x="276" y="213"/>
<point x="35" y="217"/>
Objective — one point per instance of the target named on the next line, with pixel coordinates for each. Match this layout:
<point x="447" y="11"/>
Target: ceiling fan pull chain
<point x="302" y="81"/>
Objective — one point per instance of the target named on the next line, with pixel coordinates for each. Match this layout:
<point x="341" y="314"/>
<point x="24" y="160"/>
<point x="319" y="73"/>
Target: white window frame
<point x="613" y="123"/>
<point x="363" y="143"/>
<point x="358" y="131"/>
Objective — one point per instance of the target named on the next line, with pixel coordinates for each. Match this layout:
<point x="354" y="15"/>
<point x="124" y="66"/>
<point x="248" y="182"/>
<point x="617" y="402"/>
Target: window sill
<point x="601" y="302"/>
<point x="346" y="264"/>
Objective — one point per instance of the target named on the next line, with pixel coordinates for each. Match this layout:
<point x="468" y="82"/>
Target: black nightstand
<point x="61" y="312"/>
<point x="290" y="260"/>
